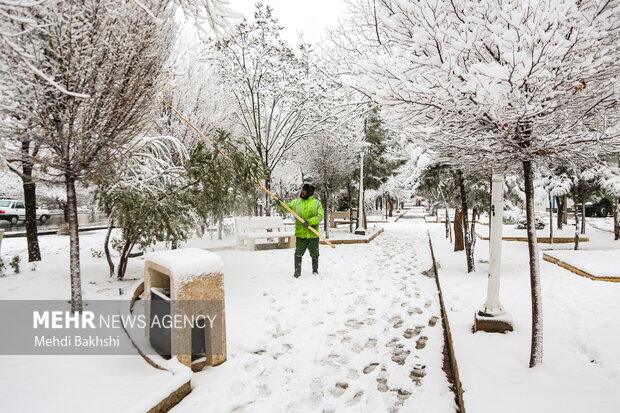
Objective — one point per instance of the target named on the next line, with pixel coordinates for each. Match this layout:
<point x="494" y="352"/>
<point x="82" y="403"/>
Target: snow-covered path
<point x="363" y="336"/>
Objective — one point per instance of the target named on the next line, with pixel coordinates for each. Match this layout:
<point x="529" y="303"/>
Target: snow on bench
<point x="251" y="229"/>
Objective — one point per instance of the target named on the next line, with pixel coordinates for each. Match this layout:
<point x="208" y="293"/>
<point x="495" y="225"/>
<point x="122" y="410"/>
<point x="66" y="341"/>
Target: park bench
<point x="342" y="217"/>
<point x="251" y="229"/>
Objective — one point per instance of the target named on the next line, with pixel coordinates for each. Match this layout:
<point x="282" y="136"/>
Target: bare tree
<point x="105" y="61"/>
<point x="281" y="95"/>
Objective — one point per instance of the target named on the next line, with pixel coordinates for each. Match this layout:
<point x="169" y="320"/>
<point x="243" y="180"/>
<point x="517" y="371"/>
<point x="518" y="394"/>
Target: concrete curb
<point x="51" y="231"/>
<point x="578" y="271"/>
<point x="355" y="241"/>
<point x="449" y="344"/>
<point x="541" y="240"/>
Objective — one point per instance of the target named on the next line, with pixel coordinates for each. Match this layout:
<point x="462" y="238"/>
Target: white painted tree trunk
<point x="361" y="216"/>
<point x="492" y="305"/>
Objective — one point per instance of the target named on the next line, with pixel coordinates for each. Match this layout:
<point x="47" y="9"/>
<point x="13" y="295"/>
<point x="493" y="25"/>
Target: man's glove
<point x="278" y="202"/>
<point x="305" y="224"/>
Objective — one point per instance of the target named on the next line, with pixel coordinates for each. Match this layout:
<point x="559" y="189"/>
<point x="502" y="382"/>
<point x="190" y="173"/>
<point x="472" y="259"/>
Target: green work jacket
<point x="310" y="210"/>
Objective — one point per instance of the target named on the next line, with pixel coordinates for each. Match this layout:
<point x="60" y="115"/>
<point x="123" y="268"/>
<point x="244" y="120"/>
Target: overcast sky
<point x="310" y="17"/>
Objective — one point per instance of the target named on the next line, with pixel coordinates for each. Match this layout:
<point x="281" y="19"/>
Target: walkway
<point x="363" y="336"/>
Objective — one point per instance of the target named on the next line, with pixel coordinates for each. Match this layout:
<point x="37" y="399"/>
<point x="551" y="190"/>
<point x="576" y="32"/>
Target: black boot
<point x="297" y="266"/>
<point x="315" y="266"/>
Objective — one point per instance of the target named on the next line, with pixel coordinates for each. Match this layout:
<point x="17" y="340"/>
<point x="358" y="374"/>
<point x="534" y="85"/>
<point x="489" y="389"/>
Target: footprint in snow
<point x="250" y="366"/>
<point x="399" y="355"/>
<point x="356" y="398"/>
<point x="370" y="368"/>
<point x="356" y="348"/>
<point x="402" y="395"/>
<point x="339" y="389"/>
<point x="353" y="375"/>
<point x="418" y="372"/>
<point x="316" y="385"/>
<point x="393" y="342"/>
<point x="382" y="385"/>
<point x="421" y="343"/>
<point x="263" y="391"/>
<point x="414" y="310"/>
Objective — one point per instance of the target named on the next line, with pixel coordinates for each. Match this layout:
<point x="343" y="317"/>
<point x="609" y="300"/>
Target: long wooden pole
<point x="256" y="181"/>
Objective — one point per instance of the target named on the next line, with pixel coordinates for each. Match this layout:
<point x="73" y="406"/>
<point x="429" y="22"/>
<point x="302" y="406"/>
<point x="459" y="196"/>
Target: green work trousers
<point x="311" y="244"/>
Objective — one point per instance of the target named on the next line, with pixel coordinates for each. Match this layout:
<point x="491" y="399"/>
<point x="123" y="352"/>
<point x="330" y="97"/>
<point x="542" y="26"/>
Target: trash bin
<point x="161" y="335"/>
<point x="186" y="284"/>
<point x="160" y="307"/>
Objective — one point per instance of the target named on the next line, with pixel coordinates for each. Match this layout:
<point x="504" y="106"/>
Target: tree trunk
<point x="490" y="200"/>
<point x="448" y="228"/>
<point x="561" y="201"/>
<point x="536" y="349"/>
<point x="326" y="206"/>
<point x="550" y="219"/>
<point x="350" y="207"/>
<point x="387" y="207"/>
<point x="74" y="246"/>
<point x="106" y="247"/>
<point x="615" y="206"/>
<point x="30" y="202"/>
<point x="122" y="264"/>
<point x="473" y="230"/>
<point x="361" y="216"/>
<point x="458" y="230"/>
<point x="220" y="229"/>
<point x="267" y="197"/>
<point x="391" y="206"/>
<point x="576" y="222"/>
<point x="469" y="253"/>
<point x="583" y="216"/>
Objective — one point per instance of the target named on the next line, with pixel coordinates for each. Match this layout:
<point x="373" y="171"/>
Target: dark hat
<point x="309" y="188"/>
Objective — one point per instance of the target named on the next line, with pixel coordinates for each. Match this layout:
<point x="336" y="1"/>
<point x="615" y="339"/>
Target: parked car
<point x="13" y="210"/>
<point x="601" y="209"/>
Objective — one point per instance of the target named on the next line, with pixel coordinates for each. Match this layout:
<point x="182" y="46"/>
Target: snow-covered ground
<point x="348" y="340"/>
<point x="596" y="263"/>
<point x="581" y="363"/>
<point x="363" y="336"/>
<point x="81" y="383"/>
<point x="360" y="337"/>
<point x="511" y="231"/>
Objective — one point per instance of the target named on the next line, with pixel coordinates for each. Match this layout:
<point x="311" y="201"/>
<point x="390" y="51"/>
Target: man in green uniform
<point x="311" y="211"/>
